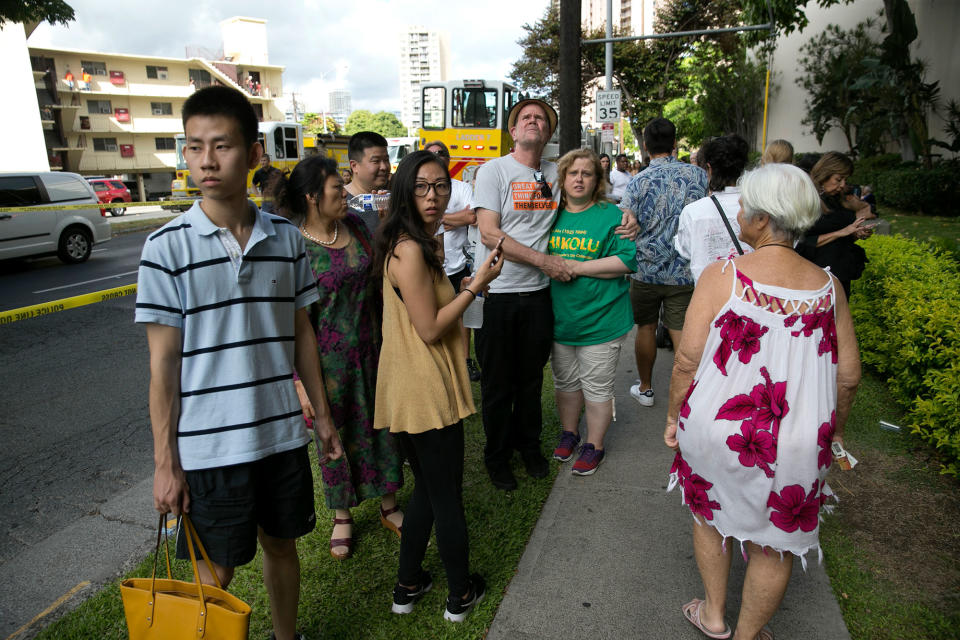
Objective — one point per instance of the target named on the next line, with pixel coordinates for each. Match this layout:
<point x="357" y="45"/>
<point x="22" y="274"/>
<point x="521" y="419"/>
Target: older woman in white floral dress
<point x="762" y="385"/>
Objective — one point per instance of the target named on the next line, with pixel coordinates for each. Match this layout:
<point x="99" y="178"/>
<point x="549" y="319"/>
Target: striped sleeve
<point x="306" y="285"/>
<point x="158" y="298"/>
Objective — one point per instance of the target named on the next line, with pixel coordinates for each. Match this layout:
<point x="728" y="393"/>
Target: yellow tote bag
<point x="171" y="609"/>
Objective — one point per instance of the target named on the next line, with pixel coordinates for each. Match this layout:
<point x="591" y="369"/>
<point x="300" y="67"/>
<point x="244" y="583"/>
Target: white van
<point x="68" y="233"/>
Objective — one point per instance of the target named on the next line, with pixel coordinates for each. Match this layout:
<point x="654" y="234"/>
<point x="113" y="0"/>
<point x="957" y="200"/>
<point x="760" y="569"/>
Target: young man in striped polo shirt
<point x="222" y="291"/>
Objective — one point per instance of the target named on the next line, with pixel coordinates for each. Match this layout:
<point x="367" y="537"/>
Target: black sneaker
<point x="536" y="465"/>
<point x="458" y="608"/>
<point x="404" y="598"/>
<point x="502" y="477"/>
<point x="298" y="636"/>
<point x="472" y="370"/>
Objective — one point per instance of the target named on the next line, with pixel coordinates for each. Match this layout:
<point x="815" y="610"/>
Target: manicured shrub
<point x="906" y="310"/>
<point x="867" y="170"/>
<point x="931" y="191"/>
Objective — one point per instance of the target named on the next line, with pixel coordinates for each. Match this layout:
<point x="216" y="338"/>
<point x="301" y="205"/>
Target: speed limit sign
<point x="608" y="106"/>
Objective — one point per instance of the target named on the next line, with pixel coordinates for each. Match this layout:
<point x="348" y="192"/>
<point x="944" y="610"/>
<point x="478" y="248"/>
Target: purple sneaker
<point x="569" y="441"/>
<point x="588" y="461"/>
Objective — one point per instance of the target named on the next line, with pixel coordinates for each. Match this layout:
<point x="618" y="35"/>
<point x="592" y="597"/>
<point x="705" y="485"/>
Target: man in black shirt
<point x="262" y="179"/>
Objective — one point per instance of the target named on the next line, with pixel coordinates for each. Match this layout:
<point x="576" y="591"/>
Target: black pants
<point x="436" y="457"/>
<point x="513" y="346"/>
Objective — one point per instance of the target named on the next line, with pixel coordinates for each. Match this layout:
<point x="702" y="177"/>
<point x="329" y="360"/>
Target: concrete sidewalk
<point x="612" y="553"/>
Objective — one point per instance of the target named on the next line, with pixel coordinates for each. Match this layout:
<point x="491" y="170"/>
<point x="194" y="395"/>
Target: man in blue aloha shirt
<point x="656" y="196"/>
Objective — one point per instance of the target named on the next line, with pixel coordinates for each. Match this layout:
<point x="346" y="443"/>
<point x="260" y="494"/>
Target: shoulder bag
<point x="726" y="223"/>
<point x="171" y="609"/>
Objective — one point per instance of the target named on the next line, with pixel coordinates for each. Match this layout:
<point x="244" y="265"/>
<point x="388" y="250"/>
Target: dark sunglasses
<point x="545" y="189"/>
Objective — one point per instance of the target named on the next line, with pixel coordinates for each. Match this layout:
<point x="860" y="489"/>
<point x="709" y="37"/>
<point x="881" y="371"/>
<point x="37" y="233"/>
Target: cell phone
<point x="498" y="251"/>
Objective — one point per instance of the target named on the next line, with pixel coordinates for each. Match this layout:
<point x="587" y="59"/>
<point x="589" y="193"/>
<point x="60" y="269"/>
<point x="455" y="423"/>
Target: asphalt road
<point x="34" y="280"/>
<point x="76" y="460"/>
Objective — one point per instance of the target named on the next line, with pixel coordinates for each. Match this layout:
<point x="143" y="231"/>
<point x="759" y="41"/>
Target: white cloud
<point x="324" y="44"/>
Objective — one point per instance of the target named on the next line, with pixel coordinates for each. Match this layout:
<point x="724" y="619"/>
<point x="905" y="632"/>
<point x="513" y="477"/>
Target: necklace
<point x="772" y="244"/>
<point x="336" y="232"/>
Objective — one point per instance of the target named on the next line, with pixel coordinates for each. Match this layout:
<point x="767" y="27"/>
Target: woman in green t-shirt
<point x="592" y="313"/>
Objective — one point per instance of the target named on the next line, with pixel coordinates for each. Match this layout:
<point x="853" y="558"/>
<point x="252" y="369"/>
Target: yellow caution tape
<point x="104" y="205"/>
<point x="109" y="205"/>
<point x="46" y="308"/>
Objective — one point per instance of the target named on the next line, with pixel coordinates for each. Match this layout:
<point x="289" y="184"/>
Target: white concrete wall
<point x="245" y="40"/>
<point x="23" y="145"/>
<point x="937" y="23"/>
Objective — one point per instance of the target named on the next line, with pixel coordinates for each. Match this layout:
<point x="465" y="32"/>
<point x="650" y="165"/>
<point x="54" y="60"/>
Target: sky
<point x="324" y="44"/>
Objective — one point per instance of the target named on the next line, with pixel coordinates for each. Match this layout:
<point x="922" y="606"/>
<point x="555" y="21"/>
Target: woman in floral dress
<point x="345" y="319"/>
<point x="762" y="385"/>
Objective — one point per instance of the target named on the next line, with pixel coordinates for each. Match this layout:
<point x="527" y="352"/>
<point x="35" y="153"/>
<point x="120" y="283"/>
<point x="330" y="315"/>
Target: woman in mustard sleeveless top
<point x="423" y="390"/>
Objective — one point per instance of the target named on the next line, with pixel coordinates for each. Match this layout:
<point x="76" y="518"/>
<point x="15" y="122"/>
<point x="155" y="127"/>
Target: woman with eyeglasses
<point x="423" y="389"/>
<point x="592" y="312"/>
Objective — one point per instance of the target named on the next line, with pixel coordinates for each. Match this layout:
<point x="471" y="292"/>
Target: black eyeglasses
<point x="421" y="189"/>
<point x="545" y="189"/>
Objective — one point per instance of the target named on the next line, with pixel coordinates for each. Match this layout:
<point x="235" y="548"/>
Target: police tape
<point x="46" y="308"/>
<point x="110" y="205"/>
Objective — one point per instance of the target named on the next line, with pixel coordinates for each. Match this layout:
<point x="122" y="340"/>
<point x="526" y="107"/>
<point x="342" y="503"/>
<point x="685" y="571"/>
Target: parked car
<point x="109" y="190"/>
<point x="68" y="233"/>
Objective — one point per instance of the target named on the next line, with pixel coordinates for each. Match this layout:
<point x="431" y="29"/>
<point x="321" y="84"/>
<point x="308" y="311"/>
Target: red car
<point x="109" y="191"/>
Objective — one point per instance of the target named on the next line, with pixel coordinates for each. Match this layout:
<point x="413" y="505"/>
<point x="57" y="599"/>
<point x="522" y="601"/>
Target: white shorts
<point x="591" y="368"/>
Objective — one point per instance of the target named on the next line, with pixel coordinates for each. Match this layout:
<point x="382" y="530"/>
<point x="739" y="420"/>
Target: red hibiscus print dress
<point x="758" y="419"/>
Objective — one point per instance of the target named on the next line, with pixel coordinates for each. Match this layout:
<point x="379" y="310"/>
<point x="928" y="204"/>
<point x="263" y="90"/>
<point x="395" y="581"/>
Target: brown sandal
<point x="342" y="542"/>
<point x="386" y="522"/>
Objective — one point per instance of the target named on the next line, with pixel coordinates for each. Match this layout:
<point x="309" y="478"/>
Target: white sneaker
<point x="645" y="398"/>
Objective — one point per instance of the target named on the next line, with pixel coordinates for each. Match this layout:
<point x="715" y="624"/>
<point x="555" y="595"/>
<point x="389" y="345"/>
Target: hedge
<point x="867" y="170"/>
<point x="906" y="310"/>
<point x="933" y="191"/>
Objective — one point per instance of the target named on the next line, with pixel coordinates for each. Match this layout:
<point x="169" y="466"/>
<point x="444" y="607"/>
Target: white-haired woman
<point x="762" y="385"/>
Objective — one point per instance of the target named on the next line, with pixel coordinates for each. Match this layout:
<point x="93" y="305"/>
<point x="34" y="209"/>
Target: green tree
<point x="538" y="71"/>
<point x="913" y="98"/>
<point x="313" y="123"/>
<point x="687" y="116"/>
<point x="787" y="15"/>
<point x="732" y="98"/>
<point x="388" y="125"/>
<point x="25" y="11"/>
<point x="833" y="64"/>
<point x="359" y="120"/>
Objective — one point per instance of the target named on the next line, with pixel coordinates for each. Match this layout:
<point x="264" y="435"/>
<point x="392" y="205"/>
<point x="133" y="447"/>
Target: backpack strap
<point x="726" y="223"/>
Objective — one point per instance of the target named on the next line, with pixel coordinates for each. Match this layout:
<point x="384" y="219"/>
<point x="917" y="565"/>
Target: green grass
<point x="874" y="608"/>
<point x="133" y="226"/>
<point x="940" y="231"/>
<point x="351" y="598"/>
<point x="881" y="596"/>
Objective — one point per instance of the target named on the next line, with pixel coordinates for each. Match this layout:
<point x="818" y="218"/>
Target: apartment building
<point x="339" y="106"/>
<point x="424" y="57"/>
<point x="125" y="120"/>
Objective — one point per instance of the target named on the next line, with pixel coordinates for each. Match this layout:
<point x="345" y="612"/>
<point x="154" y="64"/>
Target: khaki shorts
<point x="592" y="368"/>
<point x="646" y="299"/>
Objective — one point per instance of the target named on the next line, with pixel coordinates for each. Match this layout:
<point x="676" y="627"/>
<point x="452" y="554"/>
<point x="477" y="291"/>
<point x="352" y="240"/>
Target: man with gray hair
<point x="516" y="199"/>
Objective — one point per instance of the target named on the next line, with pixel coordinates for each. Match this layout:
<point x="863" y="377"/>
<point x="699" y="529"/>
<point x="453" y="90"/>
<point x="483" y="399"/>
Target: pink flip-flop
<point x="691" y="611"/>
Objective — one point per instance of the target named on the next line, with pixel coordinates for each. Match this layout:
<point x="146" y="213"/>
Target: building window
<point x="94" y="68"/>
<point x="105" y="144"/>
<point x="475" y="108"/>
<point x="201" y="77"/>
<point x="99" y="106"/>
<point x="156" y="73"/>
<point x="165" y="144"/>
<point x="161" y="108"/>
